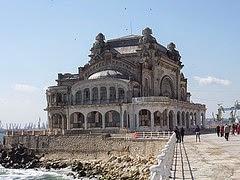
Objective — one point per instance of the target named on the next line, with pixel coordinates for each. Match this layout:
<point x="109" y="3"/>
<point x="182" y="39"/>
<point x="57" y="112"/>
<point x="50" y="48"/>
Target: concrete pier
<point x="213" y="158"/>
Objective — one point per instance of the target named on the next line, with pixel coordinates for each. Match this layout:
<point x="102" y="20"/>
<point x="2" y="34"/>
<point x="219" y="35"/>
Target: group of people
<point x="225" y="130"/>
<point x="180" y="134"/>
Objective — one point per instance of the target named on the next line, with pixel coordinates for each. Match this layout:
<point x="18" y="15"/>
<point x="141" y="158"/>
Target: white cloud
<point x="25" y="88"/>
<point x="211" y="80"/>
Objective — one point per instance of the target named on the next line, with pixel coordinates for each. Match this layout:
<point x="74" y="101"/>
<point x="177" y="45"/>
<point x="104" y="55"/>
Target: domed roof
<point x="107" y="73"/>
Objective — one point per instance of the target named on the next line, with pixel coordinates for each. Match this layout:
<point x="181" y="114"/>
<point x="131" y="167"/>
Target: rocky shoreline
<point x="123" y="167"/>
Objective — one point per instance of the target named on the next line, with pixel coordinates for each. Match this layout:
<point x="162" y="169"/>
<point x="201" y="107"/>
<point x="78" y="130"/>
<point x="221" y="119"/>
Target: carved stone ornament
<point x="172" y="52"/>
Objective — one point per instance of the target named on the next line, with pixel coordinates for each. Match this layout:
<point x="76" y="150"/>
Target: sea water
<point x="33" y="174"/>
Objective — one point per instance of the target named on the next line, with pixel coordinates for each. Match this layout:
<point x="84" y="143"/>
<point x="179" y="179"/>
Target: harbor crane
<point x="233" y="111"/>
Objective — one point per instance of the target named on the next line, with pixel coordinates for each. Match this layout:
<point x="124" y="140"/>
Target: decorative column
<point x="152" y="121"/>
<point x="85" y="121"/>
<point x="103" y="120"/>
<point x="136" y="118"/>
<point x="99" y="94"/>
<point x="117" y="94"/>
<point x="108" y="94"/>
<point x="90" y="92"/>
<point x="167" y="116"/>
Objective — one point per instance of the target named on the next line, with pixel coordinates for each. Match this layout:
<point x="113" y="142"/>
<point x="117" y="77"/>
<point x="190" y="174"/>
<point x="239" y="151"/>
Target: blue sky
<point x="39" y="39"/>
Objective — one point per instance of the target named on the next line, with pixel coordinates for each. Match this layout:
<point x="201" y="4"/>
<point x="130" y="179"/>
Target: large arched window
<point x="59" y="98"/>
<point x="57" y="120"/>
<point x="167" y="87"/>
<point x="77" y="120"/>
<point x="144" y="118"/>
<point x="94" y="119"/>
<point x="112" y="119"/>
<point x="78" y="97"/>
<point x="183" y="94"/>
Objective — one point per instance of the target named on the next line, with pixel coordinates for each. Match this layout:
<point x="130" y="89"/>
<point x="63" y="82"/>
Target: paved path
<point x="213" y="158"/>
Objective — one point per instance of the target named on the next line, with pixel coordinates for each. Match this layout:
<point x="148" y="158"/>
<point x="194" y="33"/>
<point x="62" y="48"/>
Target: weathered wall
<point x="87" y="146"/>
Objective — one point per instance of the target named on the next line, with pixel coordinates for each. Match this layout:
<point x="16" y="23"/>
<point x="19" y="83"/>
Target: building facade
<point x="132" y="82"/>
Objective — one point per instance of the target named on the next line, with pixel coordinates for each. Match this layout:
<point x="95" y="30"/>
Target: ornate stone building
<point x="132" y="82"/>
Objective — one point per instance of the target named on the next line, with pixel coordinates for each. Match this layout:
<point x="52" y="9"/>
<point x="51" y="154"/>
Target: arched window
<point x="112" y="119"/>
<point x="183" y="94"/>
<point x="136" y="91"/>
<point x="94" y="119"/>
<point x="144" y="118"/>
<point x="158" y="118"/>
<point x="167" y="87"/>
<point x="59" y="98"/>
<point x="95" y="94"/>
<point x="112" y="94"/>
<point x="103" y="94"/>
<point x="57" y="121"/>
<point x="121" y="94"/>
<point x="86" y="93"/>
<point x="77" y="120"/>
<point x="78" y="97"/>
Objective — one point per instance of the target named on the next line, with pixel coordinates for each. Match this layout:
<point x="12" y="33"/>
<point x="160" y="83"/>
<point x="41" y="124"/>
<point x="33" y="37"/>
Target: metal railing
<point x="152" y="135"/>
<point x="162" y="170"/>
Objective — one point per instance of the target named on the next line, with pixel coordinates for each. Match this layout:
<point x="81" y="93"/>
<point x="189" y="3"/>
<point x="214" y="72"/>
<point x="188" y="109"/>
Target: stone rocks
<point x="119" y="168"/>
<point x="19" y="157"/>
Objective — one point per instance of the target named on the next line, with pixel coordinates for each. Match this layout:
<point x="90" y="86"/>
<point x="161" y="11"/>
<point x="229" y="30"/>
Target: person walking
<point x="227" y="131"/>
<point x="177" y="134"/>
<point x="182" y="133"/>
<point x="218" y="130"/>
<point x="238" y="128"/>
<point x="233" y="129"/>
<point x="222" y="131"/>
<point x="197" y="131"/>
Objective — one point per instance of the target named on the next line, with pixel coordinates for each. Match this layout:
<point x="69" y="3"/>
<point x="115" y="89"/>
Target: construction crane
<point x="233" y="110"/>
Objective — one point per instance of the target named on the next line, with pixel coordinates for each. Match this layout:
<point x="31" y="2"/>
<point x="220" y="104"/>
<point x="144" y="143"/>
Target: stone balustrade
<point x="162" y="170"/>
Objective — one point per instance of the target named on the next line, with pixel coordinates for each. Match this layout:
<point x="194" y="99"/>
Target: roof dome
<point x="107" y="73"/>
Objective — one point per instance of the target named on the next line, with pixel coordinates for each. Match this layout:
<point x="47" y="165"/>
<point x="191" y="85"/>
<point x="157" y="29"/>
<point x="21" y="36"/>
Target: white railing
<point x="152" y="135"/>
<point x="162" y="170"/>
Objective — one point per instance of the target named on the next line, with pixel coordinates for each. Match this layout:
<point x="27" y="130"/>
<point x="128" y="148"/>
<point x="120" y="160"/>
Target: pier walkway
<point x="213" y="158"/>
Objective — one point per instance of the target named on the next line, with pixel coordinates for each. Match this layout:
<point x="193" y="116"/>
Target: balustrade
<point x="162" y="170"/>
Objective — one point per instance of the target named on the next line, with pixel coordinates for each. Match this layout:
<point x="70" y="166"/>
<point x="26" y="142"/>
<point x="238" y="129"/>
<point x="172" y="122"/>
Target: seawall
<point x="87" y="146"/>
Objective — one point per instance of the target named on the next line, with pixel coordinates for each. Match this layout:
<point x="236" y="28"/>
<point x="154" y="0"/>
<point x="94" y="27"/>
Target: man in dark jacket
<point x="197" y="131"/>
<point x="218" y="130"/>
<point x="177" y="134"/>
<point x="182" y="133"/>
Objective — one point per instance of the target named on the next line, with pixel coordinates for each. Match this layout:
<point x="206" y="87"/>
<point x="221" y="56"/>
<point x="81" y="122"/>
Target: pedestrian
<point x="177" y="134"/>
<point x="182" y="132"/>
<point x="227" y="131"/>
<point x="233" y="129"/>
<point x="218" y="130"/>
<point x="197" y="131"/>
<point x="238" y="129"/>
<point x="222" y="131"/>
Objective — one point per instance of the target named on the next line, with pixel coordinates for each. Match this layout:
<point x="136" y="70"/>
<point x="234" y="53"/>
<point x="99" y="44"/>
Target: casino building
<point x="132" y="83"/>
